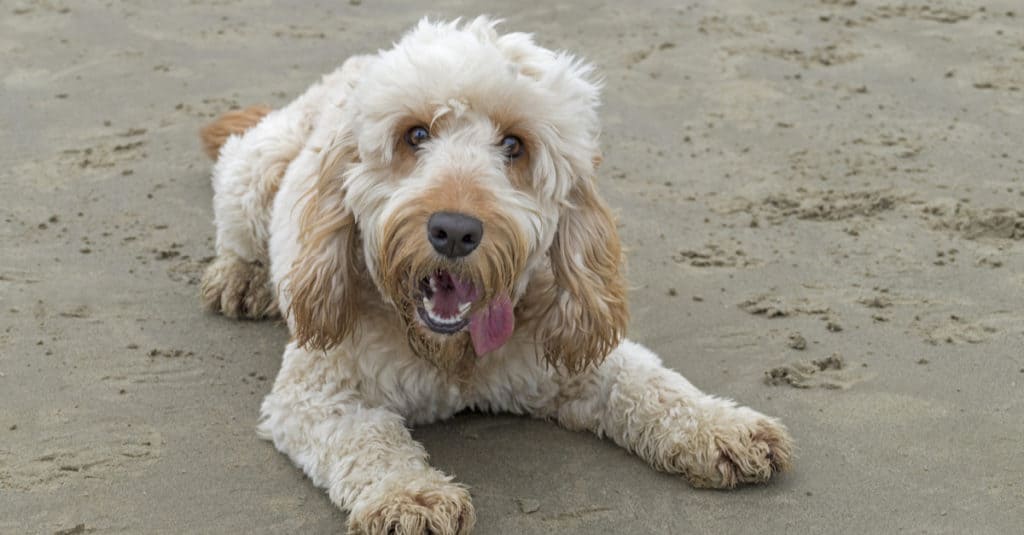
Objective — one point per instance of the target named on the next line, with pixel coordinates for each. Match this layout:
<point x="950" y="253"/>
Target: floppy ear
<point x="322" y="285"/>
<point x="323" y="279"/>
<point x="589" y="314"/>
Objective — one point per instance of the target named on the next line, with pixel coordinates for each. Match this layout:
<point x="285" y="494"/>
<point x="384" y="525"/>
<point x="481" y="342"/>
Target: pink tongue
<point x="491" y="327"/>
<point x="464" y="290"/>
<point x="451" y="292"/>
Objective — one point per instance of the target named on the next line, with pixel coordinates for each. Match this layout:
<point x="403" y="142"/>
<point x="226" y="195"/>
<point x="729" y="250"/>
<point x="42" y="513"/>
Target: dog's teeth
<point x="428" y="307"/>
<point x="443" y="321"/>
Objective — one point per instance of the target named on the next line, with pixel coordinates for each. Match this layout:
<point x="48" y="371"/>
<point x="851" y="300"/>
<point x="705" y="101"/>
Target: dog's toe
<point x="748" y="450"/>
<point x="438" y="509"/>
<point x="238" y="289"/>
<point x="754" y="454"/>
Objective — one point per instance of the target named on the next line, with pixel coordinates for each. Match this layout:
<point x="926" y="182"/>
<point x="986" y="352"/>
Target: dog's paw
<point x="745" y="447"/>
<point x="441" y="508"/>
<point x="238" y="289"/>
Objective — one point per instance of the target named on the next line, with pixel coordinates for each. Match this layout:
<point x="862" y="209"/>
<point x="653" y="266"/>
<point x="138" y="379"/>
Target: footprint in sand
<point x="830" y="373"/>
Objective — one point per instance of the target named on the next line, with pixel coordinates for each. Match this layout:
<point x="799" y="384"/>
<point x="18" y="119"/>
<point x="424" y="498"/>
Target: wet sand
<point x="823" y="203"/>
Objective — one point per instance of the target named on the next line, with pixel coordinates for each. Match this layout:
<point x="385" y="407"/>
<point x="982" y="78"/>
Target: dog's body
<point x="426" y="221"/>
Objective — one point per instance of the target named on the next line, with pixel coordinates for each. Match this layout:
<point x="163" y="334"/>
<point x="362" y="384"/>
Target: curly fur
<point x="326" y="193"/>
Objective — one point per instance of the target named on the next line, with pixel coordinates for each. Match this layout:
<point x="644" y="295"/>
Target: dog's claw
<point x="238" y="289"/>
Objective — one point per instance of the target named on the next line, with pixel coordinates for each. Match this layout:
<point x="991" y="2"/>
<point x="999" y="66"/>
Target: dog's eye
<point x="512" y="146"/>
<point x="416" y="135"/>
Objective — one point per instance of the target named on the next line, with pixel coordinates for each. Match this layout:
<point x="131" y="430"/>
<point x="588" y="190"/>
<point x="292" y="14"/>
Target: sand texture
<point x="822" y="201"/>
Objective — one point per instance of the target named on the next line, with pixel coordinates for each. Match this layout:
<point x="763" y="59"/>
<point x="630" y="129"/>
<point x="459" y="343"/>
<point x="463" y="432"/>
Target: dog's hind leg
<point x="238" y="288"/>
<point x="254" y="148"/>
<point x="248" y="172"/>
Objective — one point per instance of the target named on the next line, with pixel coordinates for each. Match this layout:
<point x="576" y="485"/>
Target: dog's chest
<point x="503" y="381"/>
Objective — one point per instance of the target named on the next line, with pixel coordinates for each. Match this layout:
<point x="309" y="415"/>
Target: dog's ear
<point x="588" y="316"/>
<point x="322" y="285"/>
<point x="323" y="281"/>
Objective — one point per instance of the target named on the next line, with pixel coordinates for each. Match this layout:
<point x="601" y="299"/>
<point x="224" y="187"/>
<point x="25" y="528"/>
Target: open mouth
<point x="446" y="301"/>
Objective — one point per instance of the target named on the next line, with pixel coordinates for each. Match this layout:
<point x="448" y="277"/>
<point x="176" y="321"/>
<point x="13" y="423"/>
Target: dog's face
<point x="466" y="170"/>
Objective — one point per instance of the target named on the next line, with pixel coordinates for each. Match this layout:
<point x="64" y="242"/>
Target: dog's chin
<point x="451" y="353"/>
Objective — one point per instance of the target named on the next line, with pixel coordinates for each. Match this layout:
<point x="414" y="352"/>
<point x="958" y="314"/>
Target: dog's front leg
<point x="363" y="455"/>
<point x="657" y="414"/>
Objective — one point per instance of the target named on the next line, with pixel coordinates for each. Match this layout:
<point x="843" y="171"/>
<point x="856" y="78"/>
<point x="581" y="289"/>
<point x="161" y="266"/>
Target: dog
<point x="427" y="222"/>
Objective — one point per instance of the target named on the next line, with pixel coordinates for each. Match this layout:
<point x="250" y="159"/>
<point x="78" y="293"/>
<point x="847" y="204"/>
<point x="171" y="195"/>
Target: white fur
<point x="342" y="414"/>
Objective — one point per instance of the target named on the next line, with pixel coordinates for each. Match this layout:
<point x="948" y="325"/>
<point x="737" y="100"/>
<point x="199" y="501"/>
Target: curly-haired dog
<point x="427" y="221"/>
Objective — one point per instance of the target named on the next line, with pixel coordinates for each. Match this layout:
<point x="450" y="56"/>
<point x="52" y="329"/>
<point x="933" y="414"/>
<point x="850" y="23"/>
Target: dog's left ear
<point x="588" y="317"/>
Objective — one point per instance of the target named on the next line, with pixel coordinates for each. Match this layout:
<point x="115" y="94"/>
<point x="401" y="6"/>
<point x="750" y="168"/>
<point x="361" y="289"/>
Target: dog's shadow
<point x="529" y="475"/>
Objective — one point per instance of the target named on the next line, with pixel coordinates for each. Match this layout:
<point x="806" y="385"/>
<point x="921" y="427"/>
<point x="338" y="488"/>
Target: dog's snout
<point x="454" y="235"/>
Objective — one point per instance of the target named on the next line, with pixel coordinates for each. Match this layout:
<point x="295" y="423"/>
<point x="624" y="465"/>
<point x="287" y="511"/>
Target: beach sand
<point x="823" y="204"/>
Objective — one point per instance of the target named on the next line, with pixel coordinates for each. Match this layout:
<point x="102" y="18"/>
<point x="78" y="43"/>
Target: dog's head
<point x="462" y="175"/>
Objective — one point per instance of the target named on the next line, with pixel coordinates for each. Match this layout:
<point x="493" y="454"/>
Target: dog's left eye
<point x="416" y="136"/>
<point x="512" y="146"/>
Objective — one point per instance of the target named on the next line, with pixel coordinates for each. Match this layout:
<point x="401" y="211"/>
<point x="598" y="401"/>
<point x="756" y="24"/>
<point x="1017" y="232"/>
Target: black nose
<point x="454" y="235"/>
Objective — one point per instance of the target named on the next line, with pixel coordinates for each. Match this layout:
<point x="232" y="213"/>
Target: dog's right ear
<point x="323" y="279"/>
<point x="322" y="285"/>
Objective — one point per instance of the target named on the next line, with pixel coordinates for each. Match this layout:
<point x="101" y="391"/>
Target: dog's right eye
<point x="416" y="135"/>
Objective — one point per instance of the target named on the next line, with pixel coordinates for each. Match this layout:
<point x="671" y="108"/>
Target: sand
<point x="846" y="171"/>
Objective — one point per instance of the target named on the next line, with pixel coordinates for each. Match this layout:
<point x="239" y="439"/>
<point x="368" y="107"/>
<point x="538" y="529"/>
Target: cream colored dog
<point x="427" y="221"/>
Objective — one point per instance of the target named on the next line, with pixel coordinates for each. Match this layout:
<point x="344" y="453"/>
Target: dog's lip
<point x="425" y="289"/>
<point x="440" y="328"/>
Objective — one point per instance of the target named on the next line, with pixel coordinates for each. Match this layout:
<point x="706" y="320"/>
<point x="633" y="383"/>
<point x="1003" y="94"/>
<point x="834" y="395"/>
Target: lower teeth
<point x="428" y="306"/>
